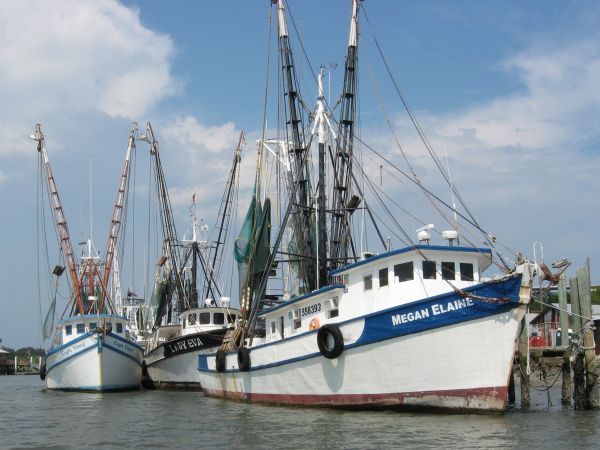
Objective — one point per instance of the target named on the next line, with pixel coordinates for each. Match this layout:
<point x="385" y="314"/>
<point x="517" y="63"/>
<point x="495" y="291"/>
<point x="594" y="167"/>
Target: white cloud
<point x="528" y="162"/>
<point x="68" y="56"/>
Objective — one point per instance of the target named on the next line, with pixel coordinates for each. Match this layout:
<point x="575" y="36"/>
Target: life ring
<point x="243" y="357"/>
<point x="43" y="372"/>
<point x="314" y="324"/>
<point x="220" y="360"/>
<point x="330" y="341"/>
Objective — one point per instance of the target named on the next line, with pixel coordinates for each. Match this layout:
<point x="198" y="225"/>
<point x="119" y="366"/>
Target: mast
<point x="167" y="222"/>
<point x="59" y="218"/>
<point x="302" y="211"/>
<point x="224" y="216"/>
<point x="117" y="215"/>
<point x="321" y="120"/>
<point x="342" y="166"/>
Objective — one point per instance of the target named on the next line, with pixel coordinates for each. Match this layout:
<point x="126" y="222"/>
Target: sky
<point x="509" y="90"/>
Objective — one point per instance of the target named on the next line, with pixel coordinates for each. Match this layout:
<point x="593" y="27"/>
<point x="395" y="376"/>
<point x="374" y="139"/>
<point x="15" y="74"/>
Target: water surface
<point x="33" y="417"/>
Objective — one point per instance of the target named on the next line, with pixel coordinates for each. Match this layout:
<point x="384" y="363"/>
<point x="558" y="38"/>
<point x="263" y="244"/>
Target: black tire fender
<point x="330" y="341"/>
<point x="43" y="371"/>
<point x="243" y="356"/>
<point x="144" y="368"/>
<point x="220" y="360"/>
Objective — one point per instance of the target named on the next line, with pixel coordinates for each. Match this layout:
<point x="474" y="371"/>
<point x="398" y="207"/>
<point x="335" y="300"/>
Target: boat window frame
<point x="119" y="328"/>
<point x="426" y="266"/>
<point x="202" y="318"/>
<point x="471" y="267"/>
<point x="386" y="277"/>
<point x="447" y="272"/>
<point x="398" y="270"/>
<point x="368" y="286"/>
<point x="68" y="330"/>
<point x="80" y="328"/>
<point x="192" y="319"/>
<point x="221" y="316"/>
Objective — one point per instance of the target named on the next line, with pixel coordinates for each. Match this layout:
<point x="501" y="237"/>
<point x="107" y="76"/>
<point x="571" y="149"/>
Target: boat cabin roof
<point x="484" y="257"/>
<point x="93" y="317"/>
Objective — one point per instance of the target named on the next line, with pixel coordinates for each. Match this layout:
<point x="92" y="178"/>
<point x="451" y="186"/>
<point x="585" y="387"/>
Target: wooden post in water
<point x="585" y="301"/>
<point x="579" y="366"/>
<point x="511" y="387"/>
<point x="523" y="355"/>
<point x="565" y="341"/>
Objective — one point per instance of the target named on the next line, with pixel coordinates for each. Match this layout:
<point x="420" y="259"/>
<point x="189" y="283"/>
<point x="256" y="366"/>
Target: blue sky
<point x="511" y="89"/>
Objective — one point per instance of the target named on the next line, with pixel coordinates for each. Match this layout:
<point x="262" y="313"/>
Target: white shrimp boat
<point x="419" y="327"/>
<point x="92" y="349"/>
<point x="171" y="357"/>
<point x="181" y="325"/>
<point x="94" y="353"/>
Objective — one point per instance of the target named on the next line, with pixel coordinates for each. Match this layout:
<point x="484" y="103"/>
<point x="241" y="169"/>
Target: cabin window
<point x="281" y="334"/>
<point x="184" y="321"/>
<point x="448" y="271"/>
<point x="69" y="330"/>
<point x="429" y="270"/>
<point x="93" y="325"/>
<point x="219" y="318"/>
<point x="230" y="318"/>
<point x="119" y="328"/>
<point x="466" y="271"/>
<point x="404" y="271"/>
<point x="80" y="328"/>
<point x="383" y="277"/>
<point x="204" y="318"/>
<point x="368" y="280"/>
<point x="273" y="328"/>
<point x="192" y="319"/>
<point x="109" y="327"/>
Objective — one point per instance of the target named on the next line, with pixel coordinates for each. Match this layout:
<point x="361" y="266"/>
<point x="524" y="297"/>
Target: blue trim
<point x="60" y="347"/>
<point x="114" y="349"/>
<point x="302" y="297"/>
<point x="435" y="248"/>
<point x="91" y="316"/>
<point x="379" y="326"/>
<point x="127" y="341"/>
<point x="87" y="349"/>
<point x="112" y="387"/>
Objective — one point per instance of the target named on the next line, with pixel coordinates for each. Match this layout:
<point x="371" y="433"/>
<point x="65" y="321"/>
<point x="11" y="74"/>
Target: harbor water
<point x="33" y="417"/>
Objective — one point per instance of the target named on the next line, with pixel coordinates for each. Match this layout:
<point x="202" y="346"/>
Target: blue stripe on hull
<point x="121" y="352"/>
<point x="439" y="311"/>
<point x="112" y="387"/>
<point x="433" y="313"/>
<point x="87" y="349"/>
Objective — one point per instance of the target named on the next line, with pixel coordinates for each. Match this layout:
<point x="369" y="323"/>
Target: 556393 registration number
<point x="311" y="309"/>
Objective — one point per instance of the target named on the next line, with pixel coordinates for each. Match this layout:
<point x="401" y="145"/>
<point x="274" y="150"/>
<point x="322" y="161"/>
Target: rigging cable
<point x="424" y="137"/>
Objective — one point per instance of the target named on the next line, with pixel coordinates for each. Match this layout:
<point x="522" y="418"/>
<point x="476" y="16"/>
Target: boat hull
<point x="95" y="362"/>
<point x="458" y="361"/>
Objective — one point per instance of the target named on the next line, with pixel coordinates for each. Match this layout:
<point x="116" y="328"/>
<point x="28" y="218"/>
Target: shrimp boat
<point x="418" y="327"/>
<point x="92" y="349"/>
<point x="171" y="354"/>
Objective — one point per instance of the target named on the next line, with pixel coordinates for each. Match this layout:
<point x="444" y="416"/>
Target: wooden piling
<point x="585" y="301"/>
<point x="511" y="387"/>
<point x="523" y="355"/>
<point x="565" y="341"/>
<point x="579" y="397"/>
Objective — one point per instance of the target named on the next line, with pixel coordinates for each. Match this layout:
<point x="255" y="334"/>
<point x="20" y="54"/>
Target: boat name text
<point x="186" y="344"/>
<point x="434" y="310"/>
